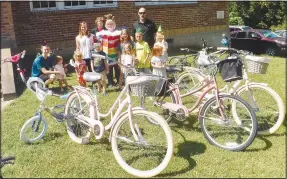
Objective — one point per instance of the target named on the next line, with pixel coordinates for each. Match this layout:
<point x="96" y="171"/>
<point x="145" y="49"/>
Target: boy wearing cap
<point x="101" y="66"/>
<point x="142" y="53"/>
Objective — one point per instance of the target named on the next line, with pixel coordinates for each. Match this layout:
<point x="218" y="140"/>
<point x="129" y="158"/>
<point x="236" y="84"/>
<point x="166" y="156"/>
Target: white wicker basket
<point x="142" y="85"/>
<point x="256" y="64"/>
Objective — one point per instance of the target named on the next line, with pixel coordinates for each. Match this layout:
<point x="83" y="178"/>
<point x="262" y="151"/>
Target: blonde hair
<point x="58" y="58"/>
<point x="80" y="31"/>
<point x="77" y="53"/>
<point x="130" y="48"/>
<point x="157" y="50"/>
<point x="128" y="37"/>
<point x="108" y="21"/>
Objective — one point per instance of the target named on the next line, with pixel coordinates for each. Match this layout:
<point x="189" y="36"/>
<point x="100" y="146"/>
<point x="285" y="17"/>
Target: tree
<point x="258" y="14"/>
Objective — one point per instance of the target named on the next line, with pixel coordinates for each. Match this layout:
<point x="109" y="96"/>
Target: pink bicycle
<point x="227" y="121"/>
<point x="15" y="59"/>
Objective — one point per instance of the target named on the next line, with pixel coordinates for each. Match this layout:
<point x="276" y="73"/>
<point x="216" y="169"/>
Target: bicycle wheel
<point x="34" y="129"/>
<point x="148" y="155"/>
<point x="77" y="108"/>
<point x="176" y="61"/>
<point x="267" y="104"/>
<point x="188" y="82"/>
<point x="236" y="132"/>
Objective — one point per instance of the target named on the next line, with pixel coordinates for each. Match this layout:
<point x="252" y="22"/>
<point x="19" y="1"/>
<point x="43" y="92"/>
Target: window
<point x="66" y="5"/>
<point x="233" y="34"/>
<point x="162" y="2"/>
<point x="241" y="35"/>
<point x="44" y="5"/>
<point x="253" y="35"/>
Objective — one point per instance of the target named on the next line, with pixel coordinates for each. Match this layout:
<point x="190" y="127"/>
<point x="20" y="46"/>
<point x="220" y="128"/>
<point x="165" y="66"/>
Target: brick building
<point x="26" y="24"/>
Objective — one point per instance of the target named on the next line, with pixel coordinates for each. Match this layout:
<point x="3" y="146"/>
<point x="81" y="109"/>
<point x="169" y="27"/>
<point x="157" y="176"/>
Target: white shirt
<point x="86" y="44"/>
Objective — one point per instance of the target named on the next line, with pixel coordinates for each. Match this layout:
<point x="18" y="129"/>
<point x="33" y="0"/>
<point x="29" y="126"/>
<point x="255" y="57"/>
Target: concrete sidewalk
<point x="5" y="103"/>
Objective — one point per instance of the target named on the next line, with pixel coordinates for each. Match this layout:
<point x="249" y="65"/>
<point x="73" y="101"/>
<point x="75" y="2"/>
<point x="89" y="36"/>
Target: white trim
<point x="60" y="5"/>
<point x="164" y="2"/>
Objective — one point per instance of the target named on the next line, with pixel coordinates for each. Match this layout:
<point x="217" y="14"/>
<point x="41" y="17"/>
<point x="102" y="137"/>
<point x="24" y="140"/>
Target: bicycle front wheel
<point x="148" y="153"/>
<point x="34" y="129"/>
<point x="227" y="130"/>
<point x="268" y="107"/>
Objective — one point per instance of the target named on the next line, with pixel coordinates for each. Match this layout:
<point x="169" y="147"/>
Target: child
<point x="80" y="67"/>
<point x="59" y="67"/>
<point x="100" y="66"/>
<point x="157" y="62"/>
<point x="127" y="59"/>
<point x="161" y="42"/>
<point x="142" y="53"/>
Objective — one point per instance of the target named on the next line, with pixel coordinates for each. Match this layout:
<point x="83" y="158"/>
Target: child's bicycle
<point x="35" y="128"/>
<point x="20" y="72"/>
<point x="7" y="160"/>
<point x="140" y="147"/>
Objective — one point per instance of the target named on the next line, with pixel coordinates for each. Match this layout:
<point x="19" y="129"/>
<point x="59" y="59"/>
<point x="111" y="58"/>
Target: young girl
<point x="59" y="67"/>
<point x="127" y="59"/>
<point x="80" y="67"/>
<point x="157" y="62"/>
<point x="161" y="42"/>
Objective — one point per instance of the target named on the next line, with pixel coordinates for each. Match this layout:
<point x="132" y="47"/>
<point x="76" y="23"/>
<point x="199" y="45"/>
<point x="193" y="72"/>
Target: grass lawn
<point x="57" y="156"/>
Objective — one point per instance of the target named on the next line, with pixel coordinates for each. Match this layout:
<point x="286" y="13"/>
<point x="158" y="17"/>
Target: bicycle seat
<point x="184" y="49"/>
<point x="92" y="76"/>
<point x="171" y="69"/>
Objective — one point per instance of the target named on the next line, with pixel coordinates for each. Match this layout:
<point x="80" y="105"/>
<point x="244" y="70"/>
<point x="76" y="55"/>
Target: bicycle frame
<point x="122" y="104"/>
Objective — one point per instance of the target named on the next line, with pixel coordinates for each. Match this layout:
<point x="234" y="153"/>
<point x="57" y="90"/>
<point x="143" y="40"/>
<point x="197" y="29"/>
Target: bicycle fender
<point x="251" y="84"/>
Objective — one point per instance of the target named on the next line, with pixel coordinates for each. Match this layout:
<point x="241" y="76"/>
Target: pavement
<point x="5" y="103"/>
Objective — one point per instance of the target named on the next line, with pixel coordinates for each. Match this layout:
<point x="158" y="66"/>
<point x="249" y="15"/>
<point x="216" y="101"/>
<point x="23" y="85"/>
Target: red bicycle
<point x="15" y="59"/>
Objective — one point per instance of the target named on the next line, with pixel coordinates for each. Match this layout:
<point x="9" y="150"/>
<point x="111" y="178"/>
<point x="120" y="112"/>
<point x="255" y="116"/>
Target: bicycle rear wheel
<point x="267" y="104"/>
<point x="236" y="131"/>
<point x="151" y="152"/>
<point x="188" y="82"/>
<point x="34" y="129"/>
<point x="77" y="108"/>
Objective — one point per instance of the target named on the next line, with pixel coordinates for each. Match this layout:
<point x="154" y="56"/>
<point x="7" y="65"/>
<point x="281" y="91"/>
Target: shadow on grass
<point x="191" y="123"/>
<point x="52" y="136"/>
<point x="186" y="150"/>
<point x="268" y="144"/>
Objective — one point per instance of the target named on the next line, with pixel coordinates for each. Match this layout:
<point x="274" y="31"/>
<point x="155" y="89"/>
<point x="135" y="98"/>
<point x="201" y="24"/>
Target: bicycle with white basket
<point x="270" y="115"/>
<point x="141" y="148"/>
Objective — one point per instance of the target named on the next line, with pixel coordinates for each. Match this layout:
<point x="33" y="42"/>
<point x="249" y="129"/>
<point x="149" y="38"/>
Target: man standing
<point x="147" y="27"/>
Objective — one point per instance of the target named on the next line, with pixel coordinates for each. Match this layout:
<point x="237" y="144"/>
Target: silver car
<point x="281" y="33"/>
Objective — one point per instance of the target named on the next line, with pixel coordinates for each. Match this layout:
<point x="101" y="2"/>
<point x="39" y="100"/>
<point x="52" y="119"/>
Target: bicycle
<point x="188" y="59"/>
<point x="233" y="116"/>
<point x="268" y="121"/>
<point x="7" y="160"/>
<point x="129" y="128"/>
<point x="15" y="60"/>
<point x="35" y="128"/>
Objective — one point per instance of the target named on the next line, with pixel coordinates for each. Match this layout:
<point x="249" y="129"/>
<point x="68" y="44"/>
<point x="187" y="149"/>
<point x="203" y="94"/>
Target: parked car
<point x="259" y="41"/>
<point x="233" y="28"/>
<point x="282" y="33"/>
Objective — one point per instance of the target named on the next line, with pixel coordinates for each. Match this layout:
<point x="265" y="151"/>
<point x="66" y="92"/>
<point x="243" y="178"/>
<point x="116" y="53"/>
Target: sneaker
<point x="104" y="94"/>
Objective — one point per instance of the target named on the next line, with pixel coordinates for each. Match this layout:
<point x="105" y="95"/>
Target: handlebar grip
<point x="7" y="158"/>
<point x="23" y="54"/>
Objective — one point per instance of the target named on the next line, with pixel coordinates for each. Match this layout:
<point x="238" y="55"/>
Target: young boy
<point x="142" y="53"/>
<point x="100" y="66"/>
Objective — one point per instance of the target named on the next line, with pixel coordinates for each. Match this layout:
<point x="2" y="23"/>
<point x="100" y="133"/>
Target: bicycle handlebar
<point x="241" y="52"/>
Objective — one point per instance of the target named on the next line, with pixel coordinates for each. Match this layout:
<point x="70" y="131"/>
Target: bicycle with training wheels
<point x="35" y="128"/>
<point x="15" y="60"/>
<point x="227" y="121"/>
<point x="140" y="147"/>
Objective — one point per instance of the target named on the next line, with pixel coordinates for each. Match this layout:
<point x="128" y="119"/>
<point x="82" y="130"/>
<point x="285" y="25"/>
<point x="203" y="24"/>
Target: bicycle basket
<point x="142" y="85"/>
<point x="256" y="64"/>
<point x="230" y="69"/>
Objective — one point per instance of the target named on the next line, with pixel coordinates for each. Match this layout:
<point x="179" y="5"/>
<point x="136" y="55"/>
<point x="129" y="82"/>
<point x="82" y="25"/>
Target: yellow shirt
<point x="142" y="51"/>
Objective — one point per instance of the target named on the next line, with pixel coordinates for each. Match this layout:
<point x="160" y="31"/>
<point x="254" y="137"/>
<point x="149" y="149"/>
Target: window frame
<point x="241" y="37"/>
<point x="164" y="2"/>
<point x="60" y="5"/>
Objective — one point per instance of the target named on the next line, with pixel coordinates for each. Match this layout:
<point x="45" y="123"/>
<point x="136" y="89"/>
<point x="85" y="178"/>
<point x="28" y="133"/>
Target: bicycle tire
<point x="32" y="123"/>
<point x="193" y="77"/>
<point x="77" y="131"/>
<point x="233" y="147"/>
<point x="161" y="125"/>
<point x="281" y="113"/>
<point x="177" y="61"/>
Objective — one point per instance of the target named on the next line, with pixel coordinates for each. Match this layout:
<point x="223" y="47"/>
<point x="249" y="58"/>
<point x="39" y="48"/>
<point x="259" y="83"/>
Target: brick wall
<point x="34" y="27"/>
<point x="7" y="26"/>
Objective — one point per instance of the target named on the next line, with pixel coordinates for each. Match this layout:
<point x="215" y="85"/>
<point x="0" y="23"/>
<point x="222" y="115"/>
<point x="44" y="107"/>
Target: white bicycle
<point x="141" y="148"/>
<point x="267" y="104"/>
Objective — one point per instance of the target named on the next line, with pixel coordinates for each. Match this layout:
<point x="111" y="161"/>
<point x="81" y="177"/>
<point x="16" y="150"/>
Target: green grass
<point x="57" y="156"/>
